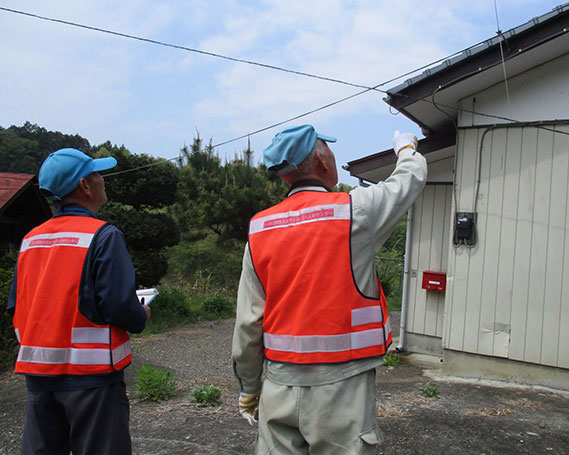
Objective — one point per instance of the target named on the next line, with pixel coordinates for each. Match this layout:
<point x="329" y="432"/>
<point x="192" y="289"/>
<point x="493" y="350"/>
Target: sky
<point x="155" y="99"/>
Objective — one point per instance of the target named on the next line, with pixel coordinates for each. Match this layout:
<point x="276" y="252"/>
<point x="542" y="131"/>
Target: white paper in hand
<point x="146" y="295"/>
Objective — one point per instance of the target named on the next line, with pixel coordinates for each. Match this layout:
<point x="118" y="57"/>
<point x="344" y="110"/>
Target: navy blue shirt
<point x="107" y="295"/>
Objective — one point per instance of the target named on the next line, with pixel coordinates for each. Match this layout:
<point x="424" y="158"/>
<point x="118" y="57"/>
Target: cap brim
<point x="325" y="138"/>
<point x="102" y="164"/>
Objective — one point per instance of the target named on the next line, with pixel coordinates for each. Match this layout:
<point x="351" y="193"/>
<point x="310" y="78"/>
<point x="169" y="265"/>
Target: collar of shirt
<point x="73" y="210"/>
<point x="307" y="185"/>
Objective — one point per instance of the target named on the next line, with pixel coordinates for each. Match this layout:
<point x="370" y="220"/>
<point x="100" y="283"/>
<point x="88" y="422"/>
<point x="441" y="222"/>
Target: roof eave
<point x="387" y="157"/>
<point x="478" y="58"/>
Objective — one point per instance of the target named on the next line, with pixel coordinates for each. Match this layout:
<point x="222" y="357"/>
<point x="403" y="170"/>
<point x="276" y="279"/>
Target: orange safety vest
<point x="314" y="312"/>
<point x="55" y="338"/>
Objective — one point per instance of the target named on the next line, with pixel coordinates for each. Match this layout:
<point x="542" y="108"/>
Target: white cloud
<point x="151" y="97"/>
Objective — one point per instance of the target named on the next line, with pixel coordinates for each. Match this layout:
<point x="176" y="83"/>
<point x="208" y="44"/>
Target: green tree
<point x="18" y="154"/>
<point x="50" y="141"/>
<point x="139" y="197"/>
<point x="23" y="149"/>
<point x="221" y="197"/>
<point x="139" y="180"/>
<point x="139" y="189"/>
<point x="389" y="265"/>
<point x="147" y="234"/>
<point x="342" y="187"/>
<point x="215" y="202"/>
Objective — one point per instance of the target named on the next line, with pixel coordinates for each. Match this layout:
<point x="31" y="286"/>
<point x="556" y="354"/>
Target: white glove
<point x="249" y="406"/>
<point x="403" y="141"/>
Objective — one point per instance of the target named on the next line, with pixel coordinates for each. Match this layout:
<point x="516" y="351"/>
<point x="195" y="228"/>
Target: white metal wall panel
<point x="458" y="276"/>
<point x="507" y="296"/>
<point x="430" y="233"/>
<point x="492" y="208"/>
<point x="536" y="95"/>
<point x="523" y="236"/>
<point x="507" y="144"/>
<point x="555" y="326"/>
<point x="563" y="344"/>
<point x="536" y="304"/>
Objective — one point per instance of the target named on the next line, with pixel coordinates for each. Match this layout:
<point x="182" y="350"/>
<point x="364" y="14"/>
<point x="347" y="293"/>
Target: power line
<point x="250" y="62"/>
<point x="225" y="57"/>
<point x="274" y="125"/>
<point x="184" y="48"/>
<point x="499" y="33"/>
<point x="273" y="67"/>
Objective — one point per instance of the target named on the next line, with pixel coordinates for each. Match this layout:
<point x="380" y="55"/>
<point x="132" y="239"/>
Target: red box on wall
<point x="434" y="281"/>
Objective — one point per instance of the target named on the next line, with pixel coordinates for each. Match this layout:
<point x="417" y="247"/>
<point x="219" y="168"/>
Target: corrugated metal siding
<point x="430" y="239"/>
<point x="509" y="296"/>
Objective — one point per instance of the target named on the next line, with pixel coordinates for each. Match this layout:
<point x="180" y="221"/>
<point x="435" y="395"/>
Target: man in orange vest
<point x="310" y="308"/>
<point x="74" y="300"/>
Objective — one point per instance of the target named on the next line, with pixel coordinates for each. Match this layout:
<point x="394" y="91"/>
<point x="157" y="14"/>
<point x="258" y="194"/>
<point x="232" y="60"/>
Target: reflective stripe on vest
<point x="74" y="239"/>
<point x="361" y="316"/>
<point x="326" y="343"/>
<point x="73" y="356"/>
<point x="310" y="215"/>
<point x="90" y="335"/>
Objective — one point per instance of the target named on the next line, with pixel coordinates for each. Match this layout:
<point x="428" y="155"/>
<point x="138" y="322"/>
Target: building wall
<point x="536" y="95"/>
<point x="430" y="239"/>
<point x="508" y="296"/>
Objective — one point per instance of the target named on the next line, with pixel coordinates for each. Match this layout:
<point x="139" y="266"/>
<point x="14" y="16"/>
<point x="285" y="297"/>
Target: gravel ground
<point x="468" y="417"/>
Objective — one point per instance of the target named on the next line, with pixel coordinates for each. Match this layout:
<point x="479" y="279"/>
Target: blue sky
<point x="153" y="99"/>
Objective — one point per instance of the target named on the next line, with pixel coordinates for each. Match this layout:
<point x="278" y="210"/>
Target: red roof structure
<point x="22" y="206"/>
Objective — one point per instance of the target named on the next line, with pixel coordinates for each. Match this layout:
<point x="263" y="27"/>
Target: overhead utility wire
<point x="274" y="125"/>
<point x="225" y="57"/>
<point x="499" y="33"/>
<point x="233" y="59"/>
<point x="264" y="65"/>
<point x="184" y="48"/>
<point x="160" y="43"/>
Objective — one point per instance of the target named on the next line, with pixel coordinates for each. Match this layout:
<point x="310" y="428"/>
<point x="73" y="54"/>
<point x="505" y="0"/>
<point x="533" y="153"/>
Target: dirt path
<point x="467" y="418"/>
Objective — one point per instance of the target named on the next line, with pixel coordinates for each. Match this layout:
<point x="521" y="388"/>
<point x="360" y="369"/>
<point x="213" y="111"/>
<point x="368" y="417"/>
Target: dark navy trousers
<point x="84" y="422"/>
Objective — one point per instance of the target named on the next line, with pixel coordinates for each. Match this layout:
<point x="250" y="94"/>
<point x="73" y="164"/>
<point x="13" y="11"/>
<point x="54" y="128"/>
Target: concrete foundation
<point x="467" y="365"/>
<point x="423" y="344"/>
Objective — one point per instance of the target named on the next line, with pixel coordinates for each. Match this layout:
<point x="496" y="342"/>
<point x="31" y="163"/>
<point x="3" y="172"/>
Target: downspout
<point x="406" y="260"/>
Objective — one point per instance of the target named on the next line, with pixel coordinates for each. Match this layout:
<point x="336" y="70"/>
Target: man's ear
<point x="84" y="186"/>
<point x="321" y="161"/>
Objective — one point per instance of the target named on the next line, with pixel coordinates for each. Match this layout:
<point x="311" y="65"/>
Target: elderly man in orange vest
<point x="74" y="299"/>
<point x="310" y="308"/>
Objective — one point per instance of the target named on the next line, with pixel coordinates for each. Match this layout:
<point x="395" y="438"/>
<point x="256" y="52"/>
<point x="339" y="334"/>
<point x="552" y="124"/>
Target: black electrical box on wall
<point x="465" y="228"/>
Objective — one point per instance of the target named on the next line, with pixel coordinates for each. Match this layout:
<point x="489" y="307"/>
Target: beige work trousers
<point x="331" y="419"/>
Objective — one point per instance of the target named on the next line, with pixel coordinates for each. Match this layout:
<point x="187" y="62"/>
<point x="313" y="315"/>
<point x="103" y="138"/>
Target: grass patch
<point x="155" y="384"/>
<point x="430" y="390"/>
<point x="207" y="395"/>
<point x="391" y="360"/>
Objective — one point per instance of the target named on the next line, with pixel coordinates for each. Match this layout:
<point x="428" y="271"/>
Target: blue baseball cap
<point x="61" y="171"/>
<point x="290" y="147"/>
